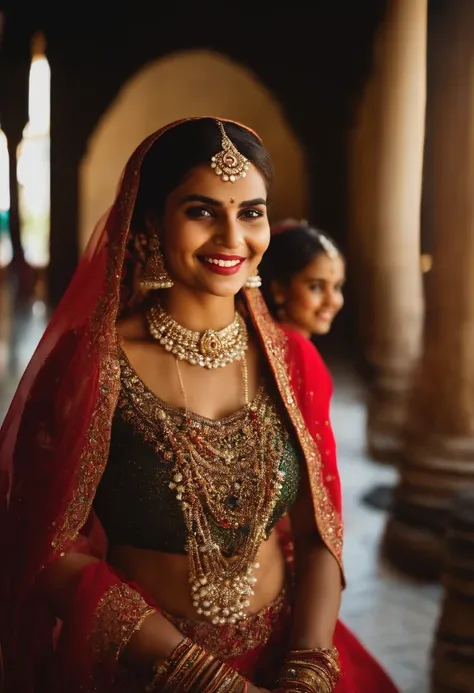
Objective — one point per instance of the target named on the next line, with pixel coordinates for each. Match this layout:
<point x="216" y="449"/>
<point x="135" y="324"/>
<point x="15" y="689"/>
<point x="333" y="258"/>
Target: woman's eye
<point x="252" y="214"/>
<point x="197" y="212"/>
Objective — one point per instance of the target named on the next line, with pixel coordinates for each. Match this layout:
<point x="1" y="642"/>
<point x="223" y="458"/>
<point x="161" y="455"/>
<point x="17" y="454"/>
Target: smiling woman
<point x="188" y="533"/>
<point x="303" y="277"/>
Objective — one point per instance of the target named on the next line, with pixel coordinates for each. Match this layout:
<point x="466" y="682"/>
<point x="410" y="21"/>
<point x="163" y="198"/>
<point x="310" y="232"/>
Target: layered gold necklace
<point x="226" y="477"/>
<point x="227" y="480"/>
<point x="209" y="349"/>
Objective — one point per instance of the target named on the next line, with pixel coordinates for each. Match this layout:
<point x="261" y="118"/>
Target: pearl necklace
<point x="209" y="349"/>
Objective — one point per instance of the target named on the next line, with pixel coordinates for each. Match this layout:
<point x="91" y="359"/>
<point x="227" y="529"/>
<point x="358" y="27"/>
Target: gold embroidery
<point x="94" y="456"/>
<point x="103" y="339"/>
<point x="273" y="341"/>
<point x="119" y="614"/>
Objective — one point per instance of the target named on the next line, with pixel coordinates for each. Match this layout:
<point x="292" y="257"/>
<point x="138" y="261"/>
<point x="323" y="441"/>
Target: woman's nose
<point x="228" y="233"/>
<point x="332" y="298"/>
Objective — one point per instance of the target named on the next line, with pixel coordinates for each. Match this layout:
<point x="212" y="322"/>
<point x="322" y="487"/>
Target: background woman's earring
<point x="254" y="282"/>
<point x="154" y="274"/>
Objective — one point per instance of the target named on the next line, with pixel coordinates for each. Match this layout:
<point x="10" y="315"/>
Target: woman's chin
<point x="224" y="286"/>
<point x="322" y="328"/>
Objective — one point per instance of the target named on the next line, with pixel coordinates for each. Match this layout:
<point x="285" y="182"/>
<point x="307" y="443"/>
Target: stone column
<point x="395" y="279"/>
<point x="69" y="124"/>
<point x="439" y="456"/>
<point x="361" y="176"/>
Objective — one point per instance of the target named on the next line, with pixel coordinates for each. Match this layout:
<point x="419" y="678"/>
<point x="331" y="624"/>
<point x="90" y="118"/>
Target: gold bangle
<point x="311" y="670"/>
<point x="318" y="668"/>
<point x="161" y="668"/>
<point x="305" y="682"/>
<point x="308" y="681"/>
<point x="191" y="668"/>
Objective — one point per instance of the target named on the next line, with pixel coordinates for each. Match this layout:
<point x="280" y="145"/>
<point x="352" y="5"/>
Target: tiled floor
<point x="393" y="616"/>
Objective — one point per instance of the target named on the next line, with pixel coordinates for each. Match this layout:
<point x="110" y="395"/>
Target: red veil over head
<point x="55" y="438"/>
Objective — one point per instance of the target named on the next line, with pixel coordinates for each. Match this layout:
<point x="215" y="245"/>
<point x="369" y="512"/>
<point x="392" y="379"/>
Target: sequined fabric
<point x="120" y="613"/>
<point x="134" y="501"/>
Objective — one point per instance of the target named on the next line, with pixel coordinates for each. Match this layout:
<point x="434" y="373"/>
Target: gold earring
<point x="254" y="282"/>
<point x="154" y="274"/>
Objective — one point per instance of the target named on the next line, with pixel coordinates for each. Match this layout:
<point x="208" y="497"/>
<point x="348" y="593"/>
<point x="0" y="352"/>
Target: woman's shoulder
<point x="301" y="346"/>
<point x="305" y="359"/>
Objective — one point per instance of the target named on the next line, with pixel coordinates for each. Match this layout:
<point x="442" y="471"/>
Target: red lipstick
<point x="222" y="264"/>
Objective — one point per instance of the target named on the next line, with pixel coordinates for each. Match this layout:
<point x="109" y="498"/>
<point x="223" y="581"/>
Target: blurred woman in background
<point x="303" y="274"/>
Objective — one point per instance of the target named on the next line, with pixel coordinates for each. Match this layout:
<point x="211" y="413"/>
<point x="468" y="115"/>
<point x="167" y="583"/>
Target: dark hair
<point x="184" y="146"/>
<point x="289" y="252"/>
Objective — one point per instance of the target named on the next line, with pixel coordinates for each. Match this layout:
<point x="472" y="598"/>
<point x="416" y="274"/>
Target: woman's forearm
<point x="317" y="595"/>
<point x="153" y="642"/>
<point x="156" y="637"/>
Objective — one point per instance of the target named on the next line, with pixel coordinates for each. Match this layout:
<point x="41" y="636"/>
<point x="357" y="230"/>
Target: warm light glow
<point x="39" y="106"/>
<point x="4" y="174"/>
<point x="33" y="163"/>
<point x="5" y="241"/>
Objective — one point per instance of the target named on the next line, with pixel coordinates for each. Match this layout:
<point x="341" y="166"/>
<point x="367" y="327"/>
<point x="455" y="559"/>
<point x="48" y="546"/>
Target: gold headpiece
<point x="229" y="163"/>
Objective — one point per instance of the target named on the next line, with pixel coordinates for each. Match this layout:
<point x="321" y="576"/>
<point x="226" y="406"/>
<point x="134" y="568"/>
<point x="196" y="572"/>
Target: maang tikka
<point x="229" y="163"/>
<point x="154" y="274"/>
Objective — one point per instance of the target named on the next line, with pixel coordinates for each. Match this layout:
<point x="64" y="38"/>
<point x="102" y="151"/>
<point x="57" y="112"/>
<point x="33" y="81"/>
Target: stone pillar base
<point x="386" y="418"/>
<point x="413" y="551"/>
<point x="452" y="661"/>
<point x="432" y="473"/>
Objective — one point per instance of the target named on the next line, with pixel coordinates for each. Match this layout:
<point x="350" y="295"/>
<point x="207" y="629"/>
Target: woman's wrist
<point x="190" y="668"/>
<point x="315" y="670"/>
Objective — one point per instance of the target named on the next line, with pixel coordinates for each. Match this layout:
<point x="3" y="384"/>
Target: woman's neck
<point x="198" y="312"/>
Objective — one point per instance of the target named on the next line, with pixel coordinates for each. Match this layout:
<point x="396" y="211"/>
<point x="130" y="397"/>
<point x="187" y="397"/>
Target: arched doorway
<point x="189" y="83"/>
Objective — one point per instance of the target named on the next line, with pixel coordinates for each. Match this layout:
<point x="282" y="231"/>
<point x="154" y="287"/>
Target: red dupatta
<point x="55" y="438"/>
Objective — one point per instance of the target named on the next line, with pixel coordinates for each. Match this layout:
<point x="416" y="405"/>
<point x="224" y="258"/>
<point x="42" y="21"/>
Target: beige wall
<point x="188" y="84"/>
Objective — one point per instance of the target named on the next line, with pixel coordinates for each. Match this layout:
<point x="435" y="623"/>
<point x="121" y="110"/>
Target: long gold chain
<point x="226" y="477"/>
<point x="245" y="379"/>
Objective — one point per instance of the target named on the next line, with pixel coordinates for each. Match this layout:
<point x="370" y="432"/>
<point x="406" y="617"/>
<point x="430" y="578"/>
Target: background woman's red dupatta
<point x="53" y="450"/>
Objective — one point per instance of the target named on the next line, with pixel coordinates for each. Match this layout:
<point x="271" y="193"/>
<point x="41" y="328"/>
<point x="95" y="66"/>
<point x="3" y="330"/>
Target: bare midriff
<point x="165" y="576"/>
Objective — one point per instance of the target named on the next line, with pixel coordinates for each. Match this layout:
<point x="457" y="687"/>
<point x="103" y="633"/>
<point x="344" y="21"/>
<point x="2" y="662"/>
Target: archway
<point x="189" y="83"/>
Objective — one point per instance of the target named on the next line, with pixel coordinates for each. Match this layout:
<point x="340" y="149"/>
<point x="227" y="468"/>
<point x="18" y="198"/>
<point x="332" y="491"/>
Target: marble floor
<point x="392" y="615"/>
